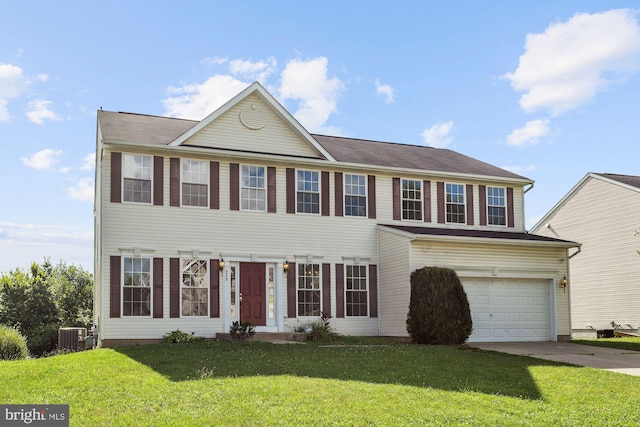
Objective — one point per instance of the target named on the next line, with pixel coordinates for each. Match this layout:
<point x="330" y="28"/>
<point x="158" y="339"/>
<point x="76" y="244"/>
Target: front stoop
<point x="268" y="336"/>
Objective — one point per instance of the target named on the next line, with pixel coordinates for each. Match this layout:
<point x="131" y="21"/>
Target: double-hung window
<point x="195" y="183"/>
<point x="309" y="290"/>
<point x="412" y="199"/>
<point x="455" y="203"/>
<point x="355" y="195"/>
<point x="356" y="290"/>
<point x="496" y="206"/>
<point x="253" y="192"/>
<point x="137" y="178"/>
<point x="194" y="288"/>
<point x="136" y="288"/>
<point x="308" y="192"/>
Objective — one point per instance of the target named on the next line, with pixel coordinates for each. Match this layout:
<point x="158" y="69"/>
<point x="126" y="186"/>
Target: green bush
<point x="179" y="337"/>
<point x="318" y="330"/>
<point x="438" y="309"/>
<point x="242" y="330"/>
<point x="13" y="345"/>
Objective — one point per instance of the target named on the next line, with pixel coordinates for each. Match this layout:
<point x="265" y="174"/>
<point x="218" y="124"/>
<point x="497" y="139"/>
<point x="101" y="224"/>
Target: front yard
<point x="253" y="383"/>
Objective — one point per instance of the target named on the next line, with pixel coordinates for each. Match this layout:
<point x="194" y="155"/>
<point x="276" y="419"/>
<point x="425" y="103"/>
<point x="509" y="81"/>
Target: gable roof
<point x="629" y="182"/>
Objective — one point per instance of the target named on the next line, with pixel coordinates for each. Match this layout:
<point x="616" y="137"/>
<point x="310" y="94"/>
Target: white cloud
<point x="255" y="71"/>
<point x="39" y="111"/>
<point x="216" y="60"/>
<point x="385" y="90"/>
<point x="12" y="84"/>
<point x="42" y="77"/>
<point x="83" y="190"/>
<point x="89" y="162"/>
<point x="196" y="101"/>
<point x="317" y="94"/>
<point x="570" y="62"/>
<point x="530" y="134"/>
<point x="43" y="159"/>
<point x="438" y="135"/>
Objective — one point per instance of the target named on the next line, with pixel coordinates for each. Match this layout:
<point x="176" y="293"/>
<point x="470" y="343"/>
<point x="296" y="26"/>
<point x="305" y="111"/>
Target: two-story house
<point x="245" y="215"/>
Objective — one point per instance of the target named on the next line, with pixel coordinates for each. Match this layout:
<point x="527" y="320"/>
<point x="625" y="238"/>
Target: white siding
<point x="395" y="290"/>
<point x="275" y="137"/>
<point x="605" y="276"/>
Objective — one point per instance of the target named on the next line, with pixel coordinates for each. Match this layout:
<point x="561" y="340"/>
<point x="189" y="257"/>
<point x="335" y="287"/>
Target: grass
<point x="624" y="343"/>
<point x="345" y="383"/>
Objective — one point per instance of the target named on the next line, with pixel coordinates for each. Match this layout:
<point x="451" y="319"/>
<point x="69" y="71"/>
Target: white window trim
<point x="506" y="211"/>
<point x="464" y="192"/>
<point x="319" y="192"/>
<point x="136" y="254"/>
<point x="207" y="183"/>
<point x="344" y="196"/>
<point x="298" y="264"/>
<point x="357" y="263"/>
<point x="208" y="263"/>
<point x="123" y="177"/>
<point x="266" y="190"/>
<point x="421" y="199"/>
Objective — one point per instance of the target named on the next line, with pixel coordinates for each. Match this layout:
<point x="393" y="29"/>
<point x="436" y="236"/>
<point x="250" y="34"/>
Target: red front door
<point x="252" y="293"/>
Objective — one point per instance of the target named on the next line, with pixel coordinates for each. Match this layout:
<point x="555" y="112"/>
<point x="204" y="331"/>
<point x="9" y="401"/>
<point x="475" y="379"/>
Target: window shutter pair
<point x="371" y="195"/>
<point x="291" y="192"/>
<point x="482" y="192"/>
<point x="116" y="178"/>
<point x="234" y="188"/>
<point x="373" y="290"/>
<point x="174" y="183"/>
<point x="115" y="275"/>
<point x="174" y="288"/>
<point x="397" y="200"/>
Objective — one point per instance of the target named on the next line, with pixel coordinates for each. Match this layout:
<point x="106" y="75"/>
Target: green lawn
<point x="253" y="383"/>
<point x="624" y="343"/>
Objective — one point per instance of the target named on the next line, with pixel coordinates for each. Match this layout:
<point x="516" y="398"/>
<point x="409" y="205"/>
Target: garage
<point x="509" y="309"/>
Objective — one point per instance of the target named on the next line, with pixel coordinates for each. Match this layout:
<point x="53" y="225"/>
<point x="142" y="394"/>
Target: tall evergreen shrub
<point x="438" y="309"/>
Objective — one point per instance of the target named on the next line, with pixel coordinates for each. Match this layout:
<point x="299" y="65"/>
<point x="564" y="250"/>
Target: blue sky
<point x="546" y="89"/>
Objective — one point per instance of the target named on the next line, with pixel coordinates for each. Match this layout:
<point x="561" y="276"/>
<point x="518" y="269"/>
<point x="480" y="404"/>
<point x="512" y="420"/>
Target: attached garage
<point x="509" y="309"/>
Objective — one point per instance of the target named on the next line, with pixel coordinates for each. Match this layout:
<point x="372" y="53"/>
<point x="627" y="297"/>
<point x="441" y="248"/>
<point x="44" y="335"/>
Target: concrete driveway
<point x="610" y="359"/>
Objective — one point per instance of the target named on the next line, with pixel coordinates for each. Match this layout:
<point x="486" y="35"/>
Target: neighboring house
<point x="247" y="216"/>
<point x="602" y="213"/>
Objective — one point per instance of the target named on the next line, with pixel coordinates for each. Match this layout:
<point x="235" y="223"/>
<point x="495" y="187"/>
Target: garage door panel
<point x="509" y="310"/>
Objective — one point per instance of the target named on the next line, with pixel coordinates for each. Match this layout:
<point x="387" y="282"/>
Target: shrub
<point x="318" y="330"/>
<point x="438" y="309"/>
<point x="13" y="345"/>
<point x="242" y="330"/>
<point x="179" y="337"/>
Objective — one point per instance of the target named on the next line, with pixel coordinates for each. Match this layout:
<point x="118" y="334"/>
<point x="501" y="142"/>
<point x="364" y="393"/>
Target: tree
<point x="40" y="301"/>
<point x="438" y="309"/>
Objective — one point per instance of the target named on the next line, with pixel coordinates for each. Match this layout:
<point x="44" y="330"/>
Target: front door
<point x="253" y="300"/>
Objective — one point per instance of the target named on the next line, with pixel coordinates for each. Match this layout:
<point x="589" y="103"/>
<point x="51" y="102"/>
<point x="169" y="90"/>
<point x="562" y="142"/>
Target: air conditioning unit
<point x="71" y="338"/>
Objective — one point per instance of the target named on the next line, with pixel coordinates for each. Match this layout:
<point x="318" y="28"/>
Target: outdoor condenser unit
<point x="71" y="338"/>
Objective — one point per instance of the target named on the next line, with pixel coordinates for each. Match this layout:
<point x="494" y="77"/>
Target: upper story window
<point x="356" y="290"/>
<point x="355" y="195"/>
<point x="253" y="193"/>
<point x="137" y="178"/>
<point x="195" y="183"/>
<point x="308" y="192"/>
<point x="136" y="287"/>
<point x="194" y="288"/>
<point x="309" y="292"/>
<point x="455" y="203"/>
<point x="496" y="206"/>
<point x="412" y="199"/>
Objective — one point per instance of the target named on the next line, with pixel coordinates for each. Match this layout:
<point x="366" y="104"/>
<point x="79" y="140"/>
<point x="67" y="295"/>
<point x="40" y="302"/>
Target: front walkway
<point x="610" y="359"/>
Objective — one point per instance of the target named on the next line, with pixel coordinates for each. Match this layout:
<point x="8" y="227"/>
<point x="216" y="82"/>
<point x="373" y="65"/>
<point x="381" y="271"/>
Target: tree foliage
<point x="438" y="309"/>
<point x="39" y="301"/>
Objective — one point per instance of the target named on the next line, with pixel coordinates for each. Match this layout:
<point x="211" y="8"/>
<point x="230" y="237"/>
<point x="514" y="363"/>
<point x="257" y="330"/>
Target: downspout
<point x="527" y="190"/>
<point x="576" y="252"/>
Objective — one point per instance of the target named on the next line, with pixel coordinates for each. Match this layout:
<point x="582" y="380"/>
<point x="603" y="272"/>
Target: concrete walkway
<point x="610" y="359"/>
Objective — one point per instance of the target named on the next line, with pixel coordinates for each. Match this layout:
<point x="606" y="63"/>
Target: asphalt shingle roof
<point x="631" y="180"/>
<point x="145" y="129"/>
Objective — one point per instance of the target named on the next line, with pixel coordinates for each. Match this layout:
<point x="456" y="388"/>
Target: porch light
<point x="563" y="283"/>
<point x="221" y="265"/>
<point x="285" y="266"/>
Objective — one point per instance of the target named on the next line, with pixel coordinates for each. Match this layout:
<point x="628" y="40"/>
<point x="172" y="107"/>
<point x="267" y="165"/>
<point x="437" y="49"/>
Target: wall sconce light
<point x="285" y="266"/>
<point x="563" y="283"/>
<point x="221" y="265"/>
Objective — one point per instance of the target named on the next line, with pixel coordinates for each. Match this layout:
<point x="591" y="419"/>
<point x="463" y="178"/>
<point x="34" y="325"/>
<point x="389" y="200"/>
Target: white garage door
<point x="509" y="309"/>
